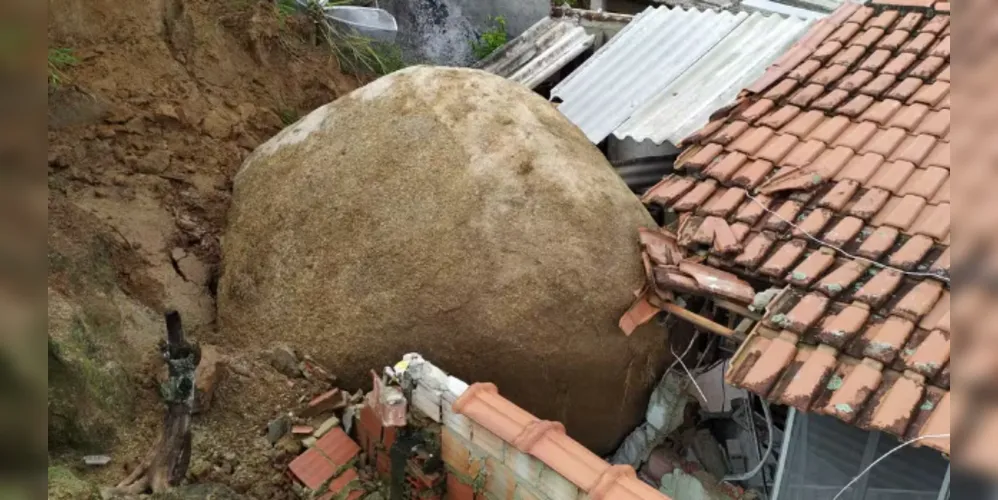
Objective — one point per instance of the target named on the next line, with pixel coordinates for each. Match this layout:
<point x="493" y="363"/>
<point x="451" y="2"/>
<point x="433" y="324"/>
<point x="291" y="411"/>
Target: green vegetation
<point x="59" y="60"/>
<point x="356" y="54"/>
<point x="288" y="116"/>
<point x="492" y="39"/>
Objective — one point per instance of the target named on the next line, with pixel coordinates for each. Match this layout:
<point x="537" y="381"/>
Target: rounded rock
<point x="456" y="214"/>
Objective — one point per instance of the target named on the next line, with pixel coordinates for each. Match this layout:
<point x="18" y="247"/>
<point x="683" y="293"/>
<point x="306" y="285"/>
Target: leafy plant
<point x="59" y="60"/>
<point x="491" y="39"/>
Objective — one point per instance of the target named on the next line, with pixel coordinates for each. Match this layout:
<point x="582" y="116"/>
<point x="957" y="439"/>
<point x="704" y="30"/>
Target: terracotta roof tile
<point x="829" y="74"/>
<point x="853" y="135"/>
<point x="668" y="190"/>
<point x="781" y="90"/>
<point x="931" y="94"/>
<point x="909" y="116"/>
<point x="941" y="49"/>
<point x="935" y="24"/>
<point x="939" y="157"/>
<point x="853" y="391"/>
<point x="805" y="70"/>
<point x="849" y="56"/>
<point x="881" y="111"/>
<point x="884" y="142"/>
<point x="752" y="174"/>
<point x="812" y="267"/>
<point x="855" y="80"/>
<point x="757" y="110"/>
<point x="805" y="95"/>
<point x="910" y="21"/>
<point x="826" y="50"/>
<point x="919" y="43"/>
<point x="729" y="132"/>
<point x="696" y="196"/>
<point x="838" y="330"/>
<point x="701" y="158"/>
<point x="877" y="86"/>
<point x="843" y="191"/>
<point x="885" y="19"/>
<point x="843" y="231"/>
<point x="858" y="158"/>
<point x="844" y="33"/>
<point x="935" y="123"/>
<point x="855" y="106"/>
<point x="928" y="67"/>
<point x="724" y="169"/>
<point x="899" y="64"/>
<point x="777" y="148"/>
<point x="905" y="213"/>
<point x="933" y="221"/>
<point x="751" y="141"/>
<point x="842" y="277"/>
<point x="831" y="100"/>
<point x="874" y="61"/>
<point x="803" y="153"/>
<point x="869" y="203"/>
<point x="321" y="462"/>
<point x="911" y="253"/>
<point x="905" y="89"/>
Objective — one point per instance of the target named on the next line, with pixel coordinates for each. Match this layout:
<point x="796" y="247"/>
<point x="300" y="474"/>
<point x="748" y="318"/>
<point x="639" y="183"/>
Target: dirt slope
<point x="164" y="101"/>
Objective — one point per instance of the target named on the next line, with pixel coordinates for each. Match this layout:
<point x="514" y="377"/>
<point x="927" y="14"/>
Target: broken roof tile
<point x="767" y="368"/>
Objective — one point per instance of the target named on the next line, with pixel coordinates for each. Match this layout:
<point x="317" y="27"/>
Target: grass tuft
<point x="59" y="60"/>
<point x="492" y="39"/>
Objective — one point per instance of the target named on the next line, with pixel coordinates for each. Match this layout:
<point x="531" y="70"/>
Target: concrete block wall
<point x="495" y="450"/>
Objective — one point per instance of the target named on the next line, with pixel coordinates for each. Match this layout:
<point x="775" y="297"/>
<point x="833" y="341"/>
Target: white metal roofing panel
<point x="715" y="80"/>
<point x="539" y="52"/>
<point x="645" y="57"/>
<point x="781" y="8"/>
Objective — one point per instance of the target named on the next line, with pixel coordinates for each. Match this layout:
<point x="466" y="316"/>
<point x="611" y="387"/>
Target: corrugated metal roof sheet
<point x="775" y="7"/>
<point x="645" y="57"/>
<point x="539" y="52"/>
<point x="714" y="81"/>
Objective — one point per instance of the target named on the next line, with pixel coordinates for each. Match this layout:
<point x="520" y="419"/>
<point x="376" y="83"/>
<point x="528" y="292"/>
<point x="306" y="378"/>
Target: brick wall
<point x="495" y="450"/>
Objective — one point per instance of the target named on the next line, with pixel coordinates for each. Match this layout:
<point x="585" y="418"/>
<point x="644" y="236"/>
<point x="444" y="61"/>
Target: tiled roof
<point x="831" y="176"/>
<point x="547" y="441"/>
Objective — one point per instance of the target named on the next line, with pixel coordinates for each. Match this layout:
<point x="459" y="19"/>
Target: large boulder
<point x="456" y="214"/>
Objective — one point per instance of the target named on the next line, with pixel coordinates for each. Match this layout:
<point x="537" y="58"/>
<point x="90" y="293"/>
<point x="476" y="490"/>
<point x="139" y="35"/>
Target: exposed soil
<point x="165" y="100"/>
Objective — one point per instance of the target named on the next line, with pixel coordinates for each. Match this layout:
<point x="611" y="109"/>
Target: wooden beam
<point x="699" y="321"/>
<point x="737" y="309"/>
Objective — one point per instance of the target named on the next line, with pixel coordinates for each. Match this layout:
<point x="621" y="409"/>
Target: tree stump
<point x="166" y="463"/>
